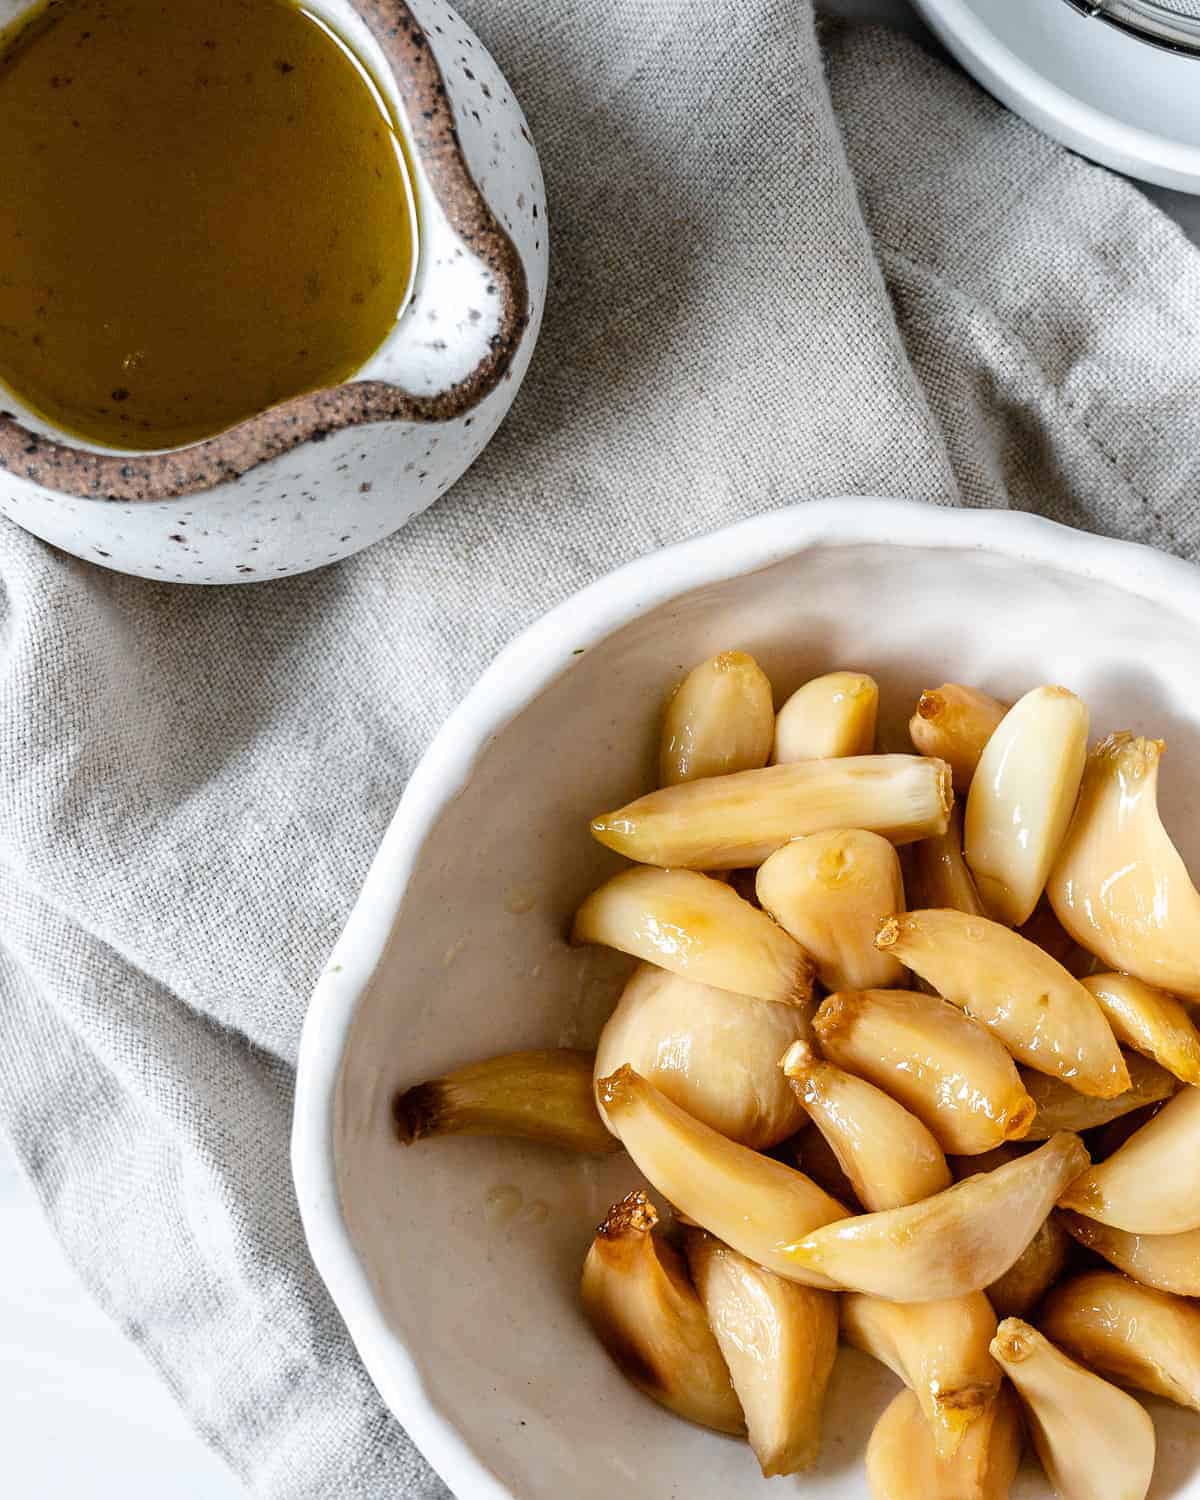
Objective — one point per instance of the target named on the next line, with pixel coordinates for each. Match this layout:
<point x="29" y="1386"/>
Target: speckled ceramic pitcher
<point x="327" y="473"/>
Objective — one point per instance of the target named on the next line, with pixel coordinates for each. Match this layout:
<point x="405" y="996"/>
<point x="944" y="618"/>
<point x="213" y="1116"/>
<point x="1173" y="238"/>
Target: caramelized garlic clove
<point x="721" y="718"/>
<point x="1033" y="1273"/>
<point x="725" y="822"/>
<point x="1060" y="1107"/>
<point x="1042" y="1014"/>
<point x="1094" y="1441"/>
<point x="1151" y="1184"/>
<point x="714" y="1053"/>
<point x="779" y="1340"/>
<point x="1169" y="1262"/>
<point x="698" y="928"/>
<point x="939" y="873"/>
<point x="831" y="891"/>
<point x="1119" y="886"/>
<point x="1129" y="1333"/>
<point x="943" y="1067"/>
<point x="753" y="1203"/>
<point x="903" y="1462"/>
<point x="958" y="1241"/>
<point x="889" y="1156"/>
<point x="1150" y="1020"/>
<point x="534" y="1096"/>
<point x="955" y="723"/>
<point x="648" y="1316"/>
<point x="1019" y="1290"/>
<point x="830" y="716"/>
<point x="939" y="1350"/>
<point x="1022" y="797"/>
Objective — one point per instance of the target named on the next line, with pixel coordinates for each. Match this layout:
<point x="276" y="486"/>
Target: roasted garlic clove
<point x="903" y="1462"/>
<point x="956" y="1242"/>
<point x="1042" y="1014"/>
<point x="955" y="723"/>
<point x="716" y="1054"/>
<point x="831" y="891"/>
<point x="1170" y="1262"/>
<point x="1129" y="1333"/>
<point x="830" y="716"/>
<point x="699" y="928"/>
<point x="938" y="872"/>
<point x="1151" y="1185"/>
<point x="1033" y="1273"/>
<point x="536" y="1096"/>
<point x="939" y="1350"/>
<point x="1039" y="1265"/>
<point x="1149" y="1020"/>
<point x="750" y="1201"/>
<point x="1060" y="1107"/>
<point x="720" y="719"/>
<point x="729" y="821"/>
<point x="1119" y="886"/>
<point x="646" y="1313"/>
<point x="1022" y="797"/>
<point x="943" y="1067"/>
<point x="779" y="1340"/>
<point x="889" y="1156"/>
<point x="1094" y="1441"/>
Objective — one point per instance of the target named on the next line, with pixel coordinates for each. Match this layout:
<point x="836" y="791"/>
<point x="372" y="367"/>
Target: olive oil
<point x="205" y="209"/>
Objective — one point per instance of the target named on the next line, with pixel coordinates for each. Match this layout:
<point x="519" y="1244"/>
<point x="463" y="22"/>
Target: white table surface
<point x="64" y="1368"/>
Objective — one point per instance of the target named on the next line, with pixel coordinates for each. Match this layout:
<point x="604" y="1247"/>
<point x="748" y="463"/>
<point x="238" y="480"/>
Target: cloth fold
<point x="777" y="274"/>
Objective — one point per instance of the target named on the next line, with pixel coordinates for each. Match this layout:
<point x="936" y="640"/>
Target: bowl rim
<point x="1152" y="156"/>
<point x="522" y="670"/>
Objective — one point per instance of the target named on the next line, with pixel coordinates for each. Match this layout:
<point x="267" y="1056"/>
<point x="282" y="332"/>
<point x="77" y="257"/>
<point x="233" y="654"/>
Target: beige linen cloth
<point x="786" y="264"/>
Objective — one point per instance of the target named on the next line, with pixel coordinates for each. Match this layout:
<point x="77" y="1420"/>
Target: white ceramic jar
<point x="328" y="473"/>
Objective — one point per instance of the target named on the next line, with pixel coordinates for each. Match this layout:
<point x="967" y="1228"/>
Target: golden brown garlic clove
<point x="1151" y="1184"/>
<point x="535" y="1096"/>
<point x="903" y="1463"/>
<point x="698" y="928"/>
<point x="1060" y="1107"/>
<point x="721" y="718"/>
<point x="779" y="1340"/>
<point x="1042" y="1014"/>
<point x="1094" y="1441"/>
<point x="1019" y="1290"/>
<point x="750" y="1201"/>
<point x="831" y="891"/>
<point x="1149" y="1020"/>
<point x="943" y="1067"/>
<point x="1119" y="886"/>
<point x="828" y="717"/>
<point x="714" y="1053"/>
<point x="648" y="1316"/>
<point x="889" y="1156"/>
<point x="939" y="1350"/>
<point x="1169" y="1262"/>
<point x="939" y="873"/>
<point x="958" y="1241"/>
<point x="1022" y="797"/>
<point x="1128" y="1333"/>
<point x="725" y="822"/>
<point x="955" y="723"/>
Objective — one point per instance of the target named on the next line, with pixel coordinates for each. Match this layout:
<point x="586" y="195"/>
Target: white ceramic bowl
<point x="455" y="1263"/>
<point x="1102" y="92"/>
